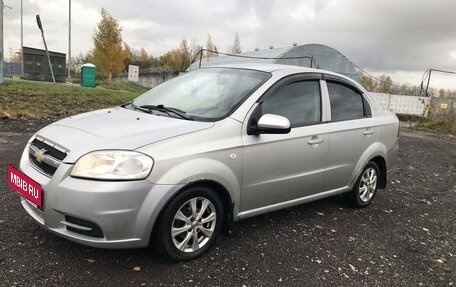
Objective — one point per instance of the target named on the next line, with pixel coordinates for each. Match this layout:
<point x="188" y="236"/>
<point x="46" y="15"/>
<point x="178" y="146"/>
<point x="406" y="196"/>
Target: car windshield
<point x="206" y="94"/>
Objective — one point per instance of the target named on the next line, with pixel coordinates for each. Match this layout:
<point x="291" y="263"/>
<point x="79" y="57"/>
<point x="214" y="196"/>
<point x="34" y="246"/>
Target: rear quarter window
<point x="347" y="103"/>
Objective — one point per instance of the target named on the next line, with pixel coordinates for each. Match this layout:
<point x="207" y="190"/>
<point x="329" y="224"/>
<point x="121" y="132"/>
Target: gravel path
<point x="407" y="237"/>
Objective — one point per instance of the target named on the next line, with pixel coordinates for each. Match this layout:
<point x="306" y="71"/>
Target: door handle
<point x="315" y="140"/>
<point x="368" y="132"/>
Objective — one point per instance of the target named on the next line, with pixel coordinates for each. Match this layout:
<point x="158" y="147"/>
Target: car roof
<point x="271" y="68"/>
<point x="263" y="67"/>
<point x="290" y="69"/>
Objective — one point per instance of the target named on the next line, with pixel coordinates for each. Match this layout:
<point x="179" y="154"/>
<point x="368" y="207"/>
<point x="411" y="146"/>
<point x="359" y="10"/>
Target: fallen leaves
<point x="92" y="260"/>
<point x="342" y="273"/>
<point x="5" y="115"/>
<point x="440" y="260"/>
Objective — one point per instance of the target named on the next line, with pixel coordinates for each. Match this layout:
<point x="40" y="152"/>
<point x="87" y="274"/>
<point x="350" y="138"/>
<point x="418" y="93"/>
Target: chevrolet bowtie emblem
<point x="40" y="155"/>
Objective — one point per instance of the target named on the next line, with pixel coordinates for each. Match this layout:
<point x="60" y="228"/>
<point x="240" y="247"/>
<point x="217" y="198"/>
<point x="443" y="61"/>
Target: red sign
<point x="24" y="185"/>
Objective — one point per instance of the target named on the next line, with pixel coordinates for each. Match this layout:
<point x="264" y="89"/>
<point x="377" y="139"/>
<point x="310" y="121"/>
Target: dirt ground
<point x="406" y="237"/>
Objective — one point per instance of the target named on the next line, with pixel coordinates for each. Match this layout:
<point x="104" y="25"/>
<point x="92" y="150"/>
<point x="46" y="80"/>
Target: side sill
<point x="297" y="201"/>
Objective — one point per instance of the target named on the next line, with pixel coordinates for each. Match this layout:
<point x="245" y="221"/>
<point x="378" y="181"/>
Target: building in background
<point x="310" y="55"/>
<point x="36" y="65"/>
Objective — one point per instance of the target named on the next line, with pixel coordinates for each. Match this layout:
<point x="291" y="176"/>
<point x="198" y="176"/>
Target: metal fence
<point x="149" y="78"/>
<point x="11" y="69"/>
<point x="413" y="105"/>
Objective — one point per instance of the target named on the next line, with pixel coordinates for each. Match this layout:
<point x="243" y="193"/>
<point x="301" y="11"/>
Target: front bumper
<point x="125" y="211"/>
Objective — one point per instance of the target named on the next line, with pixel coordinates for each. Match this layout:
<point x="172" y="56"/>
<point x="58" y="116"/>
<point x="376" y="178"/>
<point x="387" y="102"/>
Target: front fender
<point x="207" y="169"/>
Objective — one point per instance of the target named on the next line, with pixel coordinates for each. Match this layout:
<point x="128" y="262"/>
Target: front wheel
<point x="365" y="188"/>
<point x="189" y="225"/>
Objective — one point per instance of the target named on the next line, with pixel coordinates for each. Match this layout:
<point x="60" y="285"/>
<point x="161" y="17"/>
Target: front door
<point x="284" y="167"/>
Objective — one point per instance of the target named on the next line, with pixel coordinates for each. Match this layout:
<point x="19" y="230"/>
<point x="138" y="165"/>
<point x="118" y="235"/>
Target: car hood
<point x="114" y="128"/>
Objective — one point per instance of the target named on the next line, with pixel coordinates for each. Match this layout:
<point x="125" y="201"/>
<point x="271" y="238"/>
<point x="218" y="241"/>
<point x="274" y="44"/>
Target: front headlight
<point x="113" y="165"/>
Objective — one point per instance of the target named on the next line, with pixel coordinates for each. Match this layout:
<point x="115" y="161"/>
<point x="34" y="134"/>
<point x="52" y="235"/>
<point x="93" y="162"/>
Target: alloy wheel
<point x="193" y="224"/>
<point x="368" y="184"/>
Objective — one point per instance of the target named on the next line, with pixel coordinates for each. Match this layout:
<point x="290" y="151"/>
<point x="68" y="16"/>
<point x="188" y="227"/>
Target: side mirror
<point x="272" y="124"/>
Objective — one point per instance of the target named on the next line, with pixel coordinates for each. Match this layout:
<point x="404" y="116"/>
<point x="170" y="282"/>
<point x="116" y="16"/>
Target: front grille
<point x="45" y="156"/>
<point x="82" y="226"/>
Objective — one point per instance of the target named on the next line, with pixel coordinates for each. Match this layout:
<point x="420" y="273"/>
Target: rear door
<point x="352" y="130"/>
<point x="283" y="167"/>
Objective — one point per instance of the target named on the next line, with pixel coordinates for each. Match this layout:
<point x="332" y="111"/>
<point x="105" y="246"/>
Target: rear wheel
<point x="365" y="188"/>
<point x="189" y="225"/>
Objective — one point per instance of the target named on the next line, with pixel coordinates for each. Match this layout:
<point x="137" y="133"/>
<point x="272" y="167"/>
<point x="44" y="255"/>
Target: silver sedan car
<point x="180" y="164"/>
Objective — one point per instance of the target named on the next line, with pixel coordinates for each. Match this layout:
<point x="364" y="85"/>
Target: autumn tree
<point x="385" y="84"/>
<point x="367" y="82"/>
<point x="184" y="51"/>
<point x="77" y="61"/>
<point x="127" y="55"/>
<point x="137" y="57"/>
<point x="142" y="59"/>
<point x="166" y="61"/>
<point x="176" y="60"/>
<point x="450" y="93"/>
<point x="107" y="54"/>
<point x="153" y="62"/>
<point x="212" y="49"/>
<point x="16" y="58"/>
<point x="82" y="58"/>
<point x="195" y="48"/>
<point x="236" y="48"/>
<point x="442" y="93"/>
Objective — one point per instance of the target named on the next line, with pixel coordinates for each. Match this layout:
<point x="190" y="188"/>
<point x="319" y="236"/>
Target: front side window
<point x="299" y="102"/>
<point x="206" y="94"/>
<point x="346" y="102"/>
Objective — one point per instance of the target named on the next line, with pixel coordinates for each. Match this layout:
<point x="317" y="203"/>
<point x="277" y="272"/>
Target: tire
<point x="196" y="212"/>
<point x="366" y="186"/>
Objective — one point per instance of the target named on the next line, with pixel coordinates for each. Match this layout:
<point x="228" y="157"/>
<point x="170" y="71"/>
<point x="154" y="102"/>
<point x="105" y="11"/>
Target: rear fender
<point x="376" y="149"/>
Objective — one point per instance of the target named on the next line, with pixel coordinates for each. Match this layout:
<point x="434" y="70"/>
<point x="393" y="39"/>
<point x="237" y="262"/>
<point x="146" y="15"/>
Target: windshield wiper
<point x="168" y="110"/>
<point x="130" y="103"/>
<point x="135" y="107"/>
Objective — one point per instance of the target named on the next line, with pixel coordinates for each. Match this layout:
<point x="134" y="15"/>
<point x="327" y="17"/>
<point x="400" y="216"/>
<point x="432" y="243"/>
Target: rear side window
<point x="299" y="102"/>
<point x="346" y="102"/>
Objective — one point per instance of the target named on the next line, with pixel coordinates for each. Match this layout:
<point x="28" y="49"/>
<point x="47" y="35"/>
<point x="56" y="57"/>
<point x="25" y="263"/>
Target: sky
<point x="398" y="38"/>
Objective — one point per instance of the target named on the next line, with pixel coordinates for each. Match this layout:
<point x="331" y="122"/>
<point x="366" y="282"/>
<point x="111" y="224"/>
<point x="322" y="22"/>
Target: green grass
<point x="446" y="124"/>
<point x="122" y="86"/>
<point x="442" y="123"/>
<point x="28" y="99"/>
<point x="409" y="118"/>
